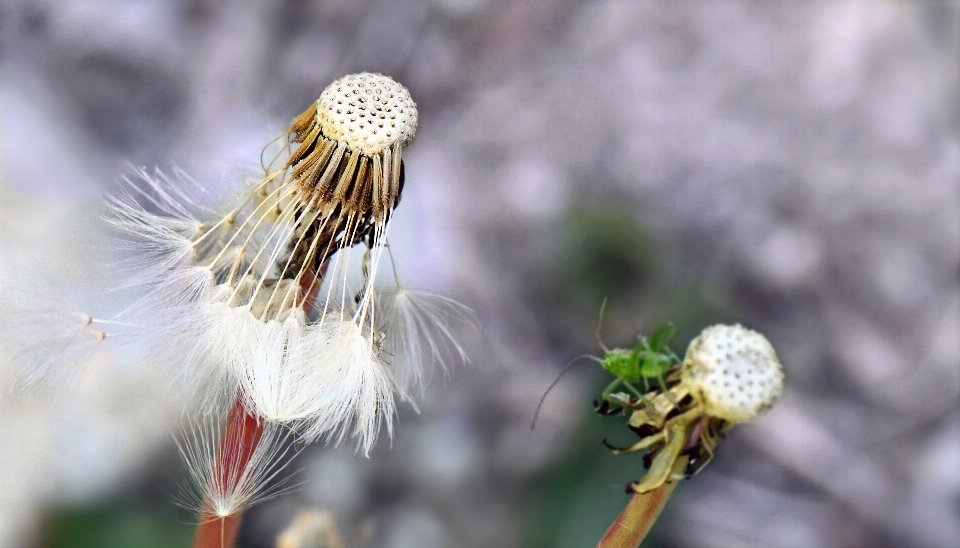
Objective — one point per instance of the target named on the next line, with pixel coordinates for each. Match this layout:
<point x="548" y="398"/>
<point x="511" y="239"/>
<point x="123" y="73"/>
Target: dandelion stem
<point x="236" y="448"/>
<point x="638" y="517"/>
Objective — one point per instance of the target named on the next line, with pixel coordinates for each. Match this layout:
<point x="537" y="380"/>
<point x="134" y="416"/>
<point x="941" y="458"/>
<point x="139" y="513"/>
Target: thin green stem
<point x="610" y="388"/>
<point x="634" y="389"/>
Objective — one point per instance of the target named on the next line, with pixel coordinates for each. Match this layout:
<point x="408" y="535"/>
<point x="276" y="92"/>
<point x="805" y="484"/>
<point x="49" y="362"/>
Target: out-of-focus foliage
<point x="116" y="524"/>
<point x="602" y="254"/>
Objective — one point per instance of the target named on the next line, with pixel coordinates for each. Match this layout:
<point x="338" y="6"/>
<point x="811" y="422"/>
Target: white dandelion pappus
<point x="232" y="469"/>
<point x="358" y="396"/>
<point x="48" y="335"/>
<point x="418" y="333"/>
<point x="258" y="297"/>
<point x="158" y="246"/>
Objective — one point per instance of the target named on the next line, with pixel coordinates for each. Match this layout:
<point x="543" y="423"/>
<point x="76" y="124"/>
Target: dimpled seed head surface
<point x="733" y="371"/>
<point x="369" y="112"/>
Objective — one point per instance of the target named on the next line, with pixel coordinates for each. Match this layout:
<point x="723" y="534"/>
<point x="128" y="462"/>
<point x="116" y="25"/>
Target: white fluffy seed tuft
<point x="358" y="397"/>
<point x="367" y="111"/>
<point x="277" y="385"/>
<point x="226" y="474"/>
<point x="420" y="330"/>
<point x="733" y="371"/>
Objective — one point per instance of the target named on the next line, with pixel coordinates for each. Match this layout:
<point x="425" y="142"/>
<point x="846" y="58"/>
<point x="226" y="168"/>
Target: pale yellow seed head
<point x="733" y="372"/>
<point x="367" y="111"/>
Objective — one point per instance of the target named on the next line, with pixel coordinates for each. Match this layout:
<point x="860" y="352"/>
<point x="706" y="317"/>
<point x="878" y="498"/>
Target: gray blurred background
<point x="794" y="167"/>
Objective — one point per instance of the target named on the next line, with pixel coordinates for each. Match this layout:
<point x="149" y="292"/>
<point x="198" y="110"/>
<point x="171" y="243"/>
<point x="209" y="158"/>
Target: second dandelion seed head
<point x="733" y="371"/>
<point x="730" y="375"/>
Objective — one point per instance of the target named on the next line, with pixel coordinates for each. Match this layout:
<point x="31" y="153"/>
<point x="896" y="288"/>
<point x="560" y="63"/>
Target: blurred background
<point x="794" y="167"/>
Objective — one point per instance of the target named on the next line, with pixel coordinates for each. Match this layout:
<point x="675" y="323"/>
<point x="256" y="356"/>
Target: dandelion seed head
<point x="733" y="371"/>
<point x="259" y="294"/>
<point x="344" y="173"/>
<point x="370" y="112"/>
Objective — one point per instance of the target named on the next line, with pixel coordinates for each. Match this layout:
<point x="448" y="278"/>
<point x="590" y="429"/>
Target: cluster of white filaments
<point x="50" y="335"/>
<point x="262" y="302"/>
<point x="223" y="484"/>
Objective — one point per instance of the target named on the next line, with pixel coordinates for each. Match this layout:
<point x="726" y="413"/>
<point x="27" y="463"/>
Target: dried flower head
<point x="348" y="147"/>
<point x="369" y="112"/>
<point x="260" y="303"/>
<point x="733" y="371"/>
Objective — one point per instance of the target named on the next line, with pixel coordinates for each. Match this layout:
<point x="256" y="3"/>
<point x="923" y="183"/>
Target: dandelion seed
<point x="270" y="379"/>
<point x="159" y="245"/>
<point x="234" y="468"/>
<point x="418" y="333"/>
<point x="48" y="334"/>
<point x="358" y="398"/>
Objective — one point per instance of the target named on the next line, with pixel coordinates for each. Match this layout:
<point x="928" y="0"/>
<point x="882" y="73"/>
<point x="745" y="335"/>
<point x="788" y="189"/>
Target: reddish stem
<point x="636" y="519"/>
<point x="236" y="448"/>
<point x="310" y="287"/>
